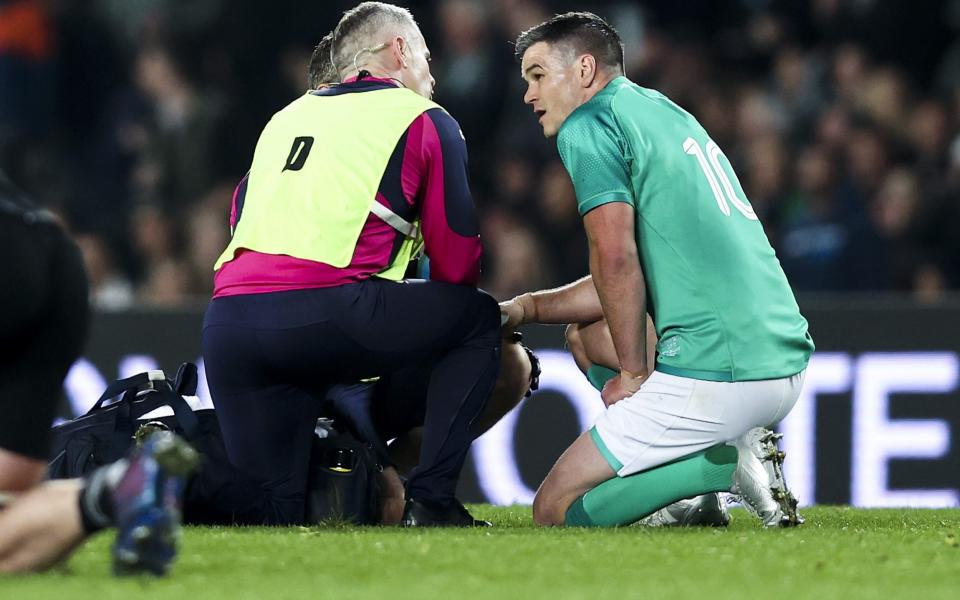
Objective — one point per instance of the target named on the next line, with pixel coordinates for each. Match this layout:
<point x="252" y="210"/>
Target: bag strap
<point x="166" y="393"/>
<point x="185" y="384"/>
<point x="181" y="410"/>
<point x="186" y="380"/>
<point x="121" y="386"/>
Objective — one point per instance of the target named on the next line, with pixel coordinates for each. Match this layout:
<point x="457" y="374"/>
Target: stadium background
<point x="134" y="120"/>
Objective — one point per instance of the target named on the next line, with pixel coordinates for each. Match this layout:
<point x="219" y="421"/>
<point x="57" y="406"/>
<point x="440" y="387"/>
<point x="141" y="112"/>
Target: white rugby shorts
<point x="671" y="417"/>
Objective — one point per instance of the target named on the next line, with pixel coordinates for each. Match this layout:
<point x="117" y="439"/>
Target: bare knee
<point x="549" y="509"/>
<point x="572" y="335"/>
<point x="552" y="501"/>
<point x="577" y="349"/>
<point x="542" y="513"/>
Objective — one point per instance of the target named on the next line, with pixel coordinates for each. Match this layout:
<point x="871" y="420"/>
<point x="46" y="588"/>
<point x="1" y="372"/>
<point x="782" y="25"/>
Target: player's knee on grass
<point x="552" y="501"/>
<point x="549" y="508"/>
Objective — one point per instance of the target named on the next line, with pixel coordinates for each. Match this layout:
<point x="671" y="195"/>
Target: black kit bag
<point x="107" y="431"/>
<point x="343" y="484"/>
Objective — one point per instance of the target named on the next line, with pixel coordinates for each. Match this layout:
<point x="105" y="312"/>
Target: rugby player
<point x="671" y="234"/>
<point x="591" y="346"/>
<point x="43" y="326"/>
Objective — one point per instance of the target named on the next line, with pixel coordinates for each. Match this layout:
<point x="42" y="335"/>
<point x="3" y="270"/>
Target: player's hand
<point x="516" y="312"/>
<point x="622" y="386"/>
<point x="391" y="496"/>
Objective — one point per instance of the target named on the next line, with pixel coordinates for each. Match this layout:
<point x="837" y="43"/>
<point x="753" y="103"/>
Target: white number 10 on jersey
<point x="717" y="178"/>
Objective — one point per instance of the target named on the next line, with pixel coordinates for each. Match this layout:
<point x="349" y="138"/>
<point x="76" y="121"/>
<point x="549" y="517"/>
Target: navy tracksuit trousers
<point x="270" y="359"/>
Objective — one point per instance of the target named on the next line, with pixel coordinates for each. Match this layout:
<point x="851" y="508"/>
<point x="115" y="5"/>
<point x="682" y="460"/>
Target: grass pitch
<point x="839" y="553"/>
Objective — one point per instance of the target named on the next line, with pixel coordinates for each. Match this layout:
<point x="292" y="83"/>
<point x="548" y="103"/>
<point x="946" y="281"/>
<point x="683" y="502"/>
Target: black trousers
<point x="270" y="359"/>
<point x="44" y="316"/>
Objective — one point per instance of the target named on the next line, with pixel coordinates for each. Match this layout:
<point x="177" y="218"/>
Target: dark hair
<point x="584" y="31"/>
<point x="321" y="70"/>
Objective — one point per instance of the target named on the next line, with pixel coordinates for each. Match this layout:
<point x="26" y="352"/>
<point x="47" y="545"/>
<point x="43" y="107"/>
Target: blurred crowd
<point x="134" y="120"/>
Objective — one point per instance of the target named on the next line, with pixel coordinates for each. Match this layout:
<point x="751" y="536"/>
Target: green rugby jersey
<point x="721" y="304"/>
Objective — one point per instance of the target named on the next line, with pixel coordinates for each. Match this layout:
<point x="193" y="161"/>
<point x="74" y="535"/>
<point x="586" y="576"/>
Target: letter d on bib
<point x="298" y="154"/>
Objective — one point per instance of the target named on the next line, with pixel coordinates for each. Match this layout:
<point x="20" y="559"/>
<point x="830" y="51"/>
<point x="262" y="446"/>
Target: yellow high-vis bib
<point x="315" y="175"/>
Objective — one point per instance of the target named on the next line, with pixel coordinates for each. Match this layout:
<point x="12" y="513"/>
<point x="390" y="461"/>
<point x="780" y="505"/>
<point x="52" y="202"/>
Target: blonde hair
<point x="362" y="29"/>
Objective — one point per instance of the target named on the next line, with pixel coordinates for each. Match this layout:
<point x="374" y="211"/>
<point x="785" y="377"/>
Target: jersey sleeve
<point x="594" y="154"/>
<point x="451" y="231"/>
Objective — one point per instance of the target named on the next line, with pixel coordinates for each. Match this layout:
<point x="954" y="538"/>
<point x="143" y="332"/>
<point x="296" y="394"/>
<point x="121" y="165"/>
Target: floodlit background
<point x="134" y="119"/>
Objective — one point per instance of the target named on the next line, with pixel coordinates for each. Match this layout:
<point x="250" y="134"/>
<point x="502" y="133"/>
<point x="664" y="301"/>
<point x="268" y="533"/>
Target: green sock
<point x="626" y="500"/>
<point x="598" y="376"/>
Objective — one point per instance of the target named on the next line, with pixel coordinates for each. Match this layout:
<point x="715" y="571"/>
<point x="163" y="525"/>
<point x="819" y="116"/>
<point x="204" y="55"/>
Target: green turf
<point x="839" y="553"/>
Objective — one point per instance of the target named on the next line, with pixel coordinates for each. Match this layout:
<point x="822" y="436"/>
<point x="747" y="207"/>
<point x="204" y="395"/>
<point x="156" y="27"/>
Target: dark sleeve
<point x="236" y="207"/>
<point x="451" y="231"/>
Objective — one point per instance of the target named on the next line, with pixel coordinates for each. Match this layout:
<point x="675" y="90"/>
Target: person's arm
<point x="601" y="166"/>
<point x="619" y="282"/>
<point x="451" y="230"/>
<point x="575" y="302"/>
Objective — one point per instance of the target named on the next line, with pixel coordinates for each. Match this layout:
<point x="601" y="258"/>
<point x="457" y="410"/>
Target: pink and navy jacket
<point x="426" y="176"/>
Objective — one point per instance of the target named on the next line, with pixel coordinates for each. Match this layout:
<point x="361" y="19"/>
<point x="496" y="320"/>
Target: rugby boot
<point x="147" y="503"/>
<point x="758" y="480"/>
<point x="452" y="514"/>
<point x="707" y="510"/>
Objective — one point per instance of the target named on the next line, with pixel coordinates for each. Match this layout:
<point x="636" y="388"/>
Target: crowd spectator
<point x="109" y="289"/>
<point x="841" y="117"/>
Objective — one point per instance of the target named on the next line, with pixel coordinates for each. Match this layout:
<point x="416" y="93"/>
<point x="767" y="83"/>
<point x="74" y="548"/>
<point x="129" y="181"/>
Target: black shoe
<point x="422" y="514"/>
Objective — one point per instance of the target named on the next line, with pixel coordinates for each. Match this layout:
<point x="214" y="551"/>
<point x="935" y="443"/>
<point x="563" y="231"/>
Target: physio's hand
<point x="622" y="386"/>
<point x="516" y="312"/>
